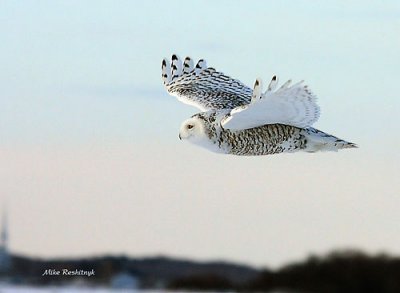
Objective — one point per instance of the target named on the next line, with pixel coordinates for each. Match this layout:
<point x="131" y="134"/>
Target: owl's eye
<point x="190" y="126"/>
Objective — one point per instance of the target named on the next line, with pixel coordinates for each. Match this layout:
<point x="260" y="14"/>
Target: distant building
<point x="124" y="280"/>
<point x="5" y="258"/>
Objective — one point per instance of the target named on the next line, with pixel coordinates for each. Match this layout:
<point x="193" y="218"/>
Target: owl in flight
<point x="240" y="121"/>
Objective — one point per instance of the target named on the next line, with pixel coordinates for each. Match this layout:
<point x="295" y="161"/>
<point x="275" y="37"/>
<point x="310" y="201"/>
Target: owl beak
<point x="180" y="136"/>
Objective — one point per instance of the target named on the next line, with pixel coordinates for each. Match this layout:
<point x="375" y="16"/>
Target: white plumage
<point x="295" y="106"/>
<point x="241" y="121"/>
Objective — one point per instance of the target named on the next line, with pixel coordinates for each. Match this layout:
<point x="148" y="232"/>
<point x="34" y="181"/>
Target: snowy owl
<point x="240" y="121"/>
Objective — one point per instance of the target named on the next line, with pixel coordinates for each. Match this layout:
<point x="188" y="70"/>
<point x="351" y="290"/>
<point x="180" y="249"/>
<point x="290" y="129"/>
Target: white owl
<point x="240" y="121"/>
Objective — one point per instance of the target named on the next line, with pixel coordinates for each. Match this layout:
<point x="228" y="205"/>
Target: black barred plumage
<point x="205" y="87"/>
<point x="264" y="140"/>
<point x="241" y="121"/>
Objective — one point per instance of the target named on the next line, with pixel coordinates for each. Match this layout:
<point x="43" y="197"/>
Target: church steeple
<point x="5" y="257"/>
<point x="4" y="229"/>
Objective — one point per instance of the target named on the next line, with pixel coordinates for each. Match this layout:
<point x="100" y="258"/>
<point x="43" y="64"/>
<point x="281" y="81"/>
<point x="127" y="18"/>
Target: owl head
<point x="193" y="130"/>
<point x="201" y="130"/>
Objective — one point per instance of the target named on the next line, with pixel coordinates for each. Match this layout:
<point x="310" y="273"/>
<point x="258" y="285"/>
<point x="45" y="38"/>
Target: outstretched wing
<point x="202" y="86"/>
<point x="291" y="105"/>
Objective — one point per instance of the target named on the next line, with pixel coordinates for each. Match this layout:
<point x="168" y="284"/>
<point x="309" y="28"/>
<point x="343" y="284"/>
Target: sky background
<point x="90" y="157"/>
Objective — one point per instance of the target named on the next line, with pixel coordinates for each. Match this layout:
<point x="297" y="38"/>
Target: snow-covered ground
<point x="67" y="289"/>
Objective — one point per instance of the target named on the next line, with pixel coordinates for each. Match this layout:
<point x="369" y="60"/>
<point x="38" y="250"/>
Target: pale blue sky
<point x="80" y="87"/>
<point x="93" y="67"/>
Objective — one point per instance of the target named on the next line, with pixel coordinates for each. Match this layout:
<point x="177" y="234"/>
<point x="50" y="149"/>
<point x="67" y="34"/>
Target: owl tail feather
<point x="321" y="141"/>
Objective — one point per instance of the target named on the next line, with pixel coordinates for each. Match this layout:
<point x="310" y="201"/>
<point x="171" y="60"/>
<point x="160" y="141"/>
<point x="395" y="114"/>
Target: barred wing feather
<point x="202" y="86"/>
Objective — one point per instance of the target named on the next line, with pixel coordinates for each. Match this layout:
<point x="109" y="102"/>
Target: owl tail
<point x="321" y="141"/>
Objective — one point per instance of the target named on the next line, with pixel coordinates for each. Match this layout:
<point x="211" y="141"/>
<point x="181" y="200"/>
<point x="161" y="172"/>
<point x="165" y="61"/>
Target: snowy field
<point x="23" y="289"/>
<point x="69" y="289"/>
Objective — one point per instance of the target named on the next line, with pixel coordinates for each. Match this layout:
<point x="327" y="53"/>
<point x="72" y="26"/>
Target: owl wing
<point x="291" y="105"/>
<point x="202" y="86"/>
